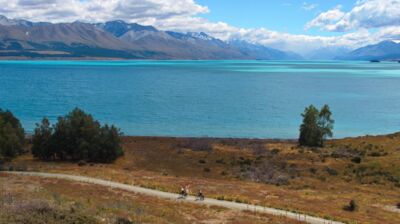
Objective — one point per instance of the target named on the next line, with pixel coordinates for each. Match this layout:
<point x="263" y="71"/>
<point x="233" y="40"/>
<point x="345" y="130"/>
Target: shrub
<point x="398" y="205"/>
<point x="220" y="161"/>
<point x="77" y="136"/>
<point x="122" y="220"/>
<point x="202" y="161"/>
<point x="356" y="159"/>
<point x="207" y="170"/>
<point x="377" y="154"/>
<point x="331" y="171"/>
<point x="12" y="135"/>
<point x="82" y="163"/>
<point x="313" y="170"/>
<point x="275" y="151"/>
<point x="316" y="127"/>
<point x="351" y="207"/>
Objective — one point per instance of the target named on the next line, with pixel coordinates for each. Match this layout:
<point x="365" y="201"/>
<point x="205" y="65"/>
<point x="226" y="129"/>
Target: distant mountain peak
<point x="119" y="27"/>
<point x="200" y="35"/>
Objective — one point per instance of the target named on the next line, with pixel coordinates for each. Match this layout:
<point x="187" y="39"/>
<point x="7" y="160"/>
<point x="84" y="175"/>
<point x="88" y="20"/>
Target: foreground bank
<point x="279" y="174"/>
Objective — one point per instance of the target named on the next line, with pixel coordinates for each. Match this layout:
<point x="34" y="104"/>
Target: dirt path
<point x="189" y="199"/>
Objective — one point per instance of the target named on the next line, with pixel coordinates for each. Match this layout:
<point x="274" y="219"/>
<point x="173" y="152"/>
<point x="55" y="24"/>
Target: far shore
<point x="266" y="140"/>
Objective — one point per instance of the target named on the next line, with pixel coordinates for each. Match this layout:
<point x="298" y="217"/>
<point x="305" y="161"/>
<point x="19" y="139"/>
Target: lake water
<point x="261" y="99"/>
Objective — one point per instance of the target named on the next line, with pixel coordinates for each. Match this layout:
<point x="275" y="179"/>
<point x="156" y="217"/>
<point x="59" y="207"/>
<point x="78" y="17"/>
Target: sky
<point x="283" y="16"/>
<point x="292" y="25"/>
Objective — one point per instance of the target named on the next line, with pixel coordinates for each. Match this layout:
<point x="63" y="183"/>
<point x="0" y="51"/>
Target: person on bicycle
<point x="200" y="195"/>
<point x="183" y="192"/>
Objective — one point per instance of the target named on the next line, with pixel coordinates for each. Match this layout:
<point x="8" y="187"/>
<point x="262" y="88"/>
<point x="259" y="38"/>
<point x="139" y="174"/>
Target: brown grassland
<point x="272" y="173"/>
<point x="52" y="201"/>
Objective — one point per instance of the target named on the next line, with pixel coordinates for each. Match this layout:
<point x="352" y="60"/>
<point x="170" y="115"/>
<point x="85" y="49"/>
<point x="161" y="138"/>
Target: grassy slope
<point x="58" y="201"/>
<point x="318" y="182"/>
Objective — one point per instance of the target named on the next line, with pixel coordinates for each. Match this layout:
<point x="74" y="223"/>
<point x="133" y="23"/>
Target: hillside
<point x="53" y="201"/>
<point x="120" y="40"/>
<point x="386" y="50"/>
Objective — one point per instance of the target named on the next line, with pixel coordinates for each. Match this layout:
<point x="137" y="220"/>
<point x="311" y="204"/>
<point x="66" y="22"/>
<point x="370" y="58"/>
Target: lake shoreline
<point x="265" y="140"/>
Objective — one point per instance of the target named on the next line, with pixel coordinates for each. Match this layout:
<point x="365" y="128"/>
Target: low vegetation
<point x="351" y="207"/>
<point x="77" y="137"/>
<point x="54" y="201"/>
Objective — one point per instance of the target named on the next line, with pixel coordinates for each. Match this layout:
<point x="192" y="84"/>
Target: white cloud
<point x="309" y="6"/>
<point x="327" y="19"/>
<point x="365" y="14"/>
<point x="183" y="15"/>
<point x="94" y="10"/>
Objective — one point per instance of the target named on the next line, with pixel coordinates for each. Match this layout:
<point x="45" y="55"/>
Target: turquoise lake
<point x="256" y="99"/>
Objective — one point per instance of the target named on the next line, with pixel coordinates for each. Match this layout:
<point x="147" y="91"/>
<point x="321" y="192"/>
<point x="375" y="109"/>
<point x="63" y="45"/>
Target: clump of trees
<point x="317" y="126"/>
<point x="12" y="135"/>
<point x="77" y="136"/>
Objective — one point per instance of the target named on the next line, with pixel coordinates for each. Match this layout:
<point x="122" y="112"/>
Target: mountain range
<point x="118" y="39"/>
<point x="385" y="50"/>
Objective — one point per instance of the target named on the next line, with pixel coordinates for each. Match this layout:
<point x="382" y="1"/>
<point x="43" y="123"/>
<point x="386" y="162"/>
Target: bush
<point x="331" y="171"/>
<point x="220" y="161"/>
<point x="77" y="136"/>
<point x="351" y="207"/>
<point x="313" y="170"/>
<point x="207" y="170"/>
<point x="12" y="135"/>
<point x="398" y="205"/>
<point x="356" y="160"/>
<point x="122" y="220"/>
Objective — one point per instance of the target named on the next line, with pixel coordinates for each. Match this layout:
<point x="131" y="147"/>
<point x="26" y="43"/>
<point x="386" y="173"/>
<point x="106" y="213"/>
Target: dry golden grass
<point x="320" y="181"/>
<point x="105" y="205"/>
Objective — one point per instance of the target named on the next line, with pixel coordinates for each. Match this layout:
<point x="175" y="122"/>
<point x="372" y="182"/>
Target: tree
<point x="42" y="142"/>
<point x="325" y="123"/>
<point x="12" y="135"/>
<point x="309" y="131"/>
<point x="77" y="136"/>
<point x="316" y="127"/>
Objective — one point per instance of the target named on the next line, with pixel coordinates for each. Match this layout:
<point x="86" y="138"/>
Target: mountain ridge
<point x="385" y="50"/>
<point x="120" y="40"/>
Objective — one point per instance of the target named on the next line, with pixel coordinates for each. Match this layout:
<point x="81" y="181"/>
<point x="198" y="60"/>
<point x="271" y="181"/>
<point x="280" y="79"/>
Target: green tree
<point x="309" y="129"/>
<point x="325" y="123"/>
<point x="77" y="136"/>
<point x="111" y="144"/>
<point x="42" y="141"/>
<point x="12" y="135"/>
<point x="316" y="127"/>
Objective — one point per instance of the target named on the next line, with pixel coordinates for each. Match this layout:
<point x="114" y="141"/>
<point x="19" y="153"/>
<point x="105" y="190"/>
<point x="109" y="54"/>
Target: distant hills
<point x="20" y="39"/>
<point x="118" y="39"/>
<point x="386" y="50"/>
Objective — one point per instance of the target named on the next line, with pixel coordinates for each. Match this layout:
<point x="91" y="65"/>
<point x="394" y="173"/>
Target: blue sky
<point x="283" y="16"/>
